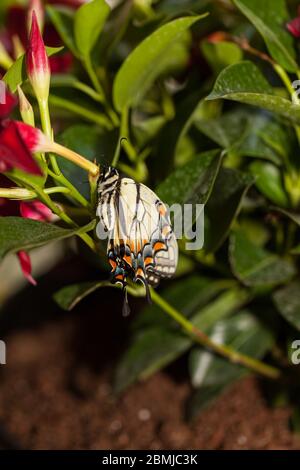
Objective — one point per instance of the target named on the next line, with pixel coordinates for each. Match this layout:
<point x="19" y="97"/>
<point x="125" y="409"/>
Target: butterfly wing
<point x="150" y="237"/>
<point x="141" y="242"/>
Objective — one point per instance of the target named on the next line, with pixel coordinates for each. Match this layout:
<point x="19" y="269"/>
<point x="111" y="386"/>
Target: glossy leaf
<point x="193" y="182"/>
<point x="155" y="346"/>
<point x="87" y="141"/>
<point x="143" y="64"/>
<point x="255" y="266"/>
<point x="202" y="399"/>
<point x="287" y="301"/>
<point x="169" y="138"/>
<point x="245" y="83"/>
<point x="234" y="131"/>
<point x="189" y="295"/>
<point x="68" y="297"/>
<point x="89" y="21"/>
<point x="224" y="205"/>
<point x="17" y="233"/>
<point x="269" y="19"/>
<point x="268" y="180"/>
<point x="16" y="75"/>
<point x="210" y="373"/>
<point x="221" y="54"/>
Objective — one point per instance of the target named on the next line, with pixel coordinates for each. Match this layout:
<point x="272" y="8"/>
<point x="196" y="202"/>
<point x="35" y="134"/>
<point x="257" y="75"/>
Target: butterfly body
<point x="141" y="243"/>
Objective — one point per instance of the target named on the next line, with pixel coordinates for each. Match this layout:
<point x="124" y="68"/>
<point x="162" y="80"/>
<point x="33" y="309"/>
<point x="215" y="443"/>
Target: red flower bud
<point x="294" y="27"/>
<point x="25" y="264"/>
<point x="37" y="62"/>
<point x="35" y="210"/>
<point x="36" y="6"/>
<point x="7" y="102"/>
<point x="68" y="3"/>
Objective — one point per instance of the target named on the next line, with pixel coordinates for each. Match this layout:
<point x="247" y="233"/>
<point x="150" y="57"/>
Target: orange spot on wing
<point x="148" y="260"/>
<point x="162" y="210"/>
<point x="128" y="259"/>
<point x="112" y="263"/>
<point x="140" y="272"/>
<point x="159" y="246"/>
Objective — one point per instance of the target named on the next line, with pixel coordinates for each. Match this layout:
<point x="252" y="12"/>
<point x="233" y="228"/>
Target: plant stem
<point x="70" y="81"/>
<point x="27" y="194"/>
<point x="205" y="341"/>
<point x="286" y="80"/>
<point x="47" y="129"/>
<point x="57" y="174"/>
<point x="43" y="196"/>
<point x="74" y="157"/>
<point x="72" y="190"/>
<point x="99" y="119"/>
<point x="93" y="77"/>
<point x="98" y="87"/>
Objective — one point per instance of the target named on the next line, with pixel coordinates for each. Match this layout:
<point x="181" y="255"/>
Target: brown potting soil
<point x="55" y="393"/>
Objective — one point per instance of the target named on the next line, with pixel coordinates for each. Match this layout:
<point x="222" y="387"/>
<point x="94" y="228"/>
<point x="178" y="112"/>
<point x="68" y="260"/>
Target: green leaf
<point x="89" y="21"/>
<point x="270" y="18"/>
<point x="287" y="301"/>
<point x="245" y="83"/>
<point x="212" y="374"/>
<point x="94" y="144"/>
<point x="221" y="54"/>
<point x="189" y="295"/>
<point x="28" y="180"/>
<point x="143" y="64"/>
<point x="193" y="182"/>
<point x="174" y="131"/>
<point x="17" y="233"/>
<point x="16" y="75"/>
<point x="243" y="333"/>
<point x="149" y="351"/>
<point x="224" y="205"/>
<point x="269" y="182"/>
<point x="68" y="297"/>
<point x="202" y="399"/>
<point x="234" y="131"/>
<point x="63" y="22"/>
<point x="154" y="346"/>
<point x="255" y="266"/>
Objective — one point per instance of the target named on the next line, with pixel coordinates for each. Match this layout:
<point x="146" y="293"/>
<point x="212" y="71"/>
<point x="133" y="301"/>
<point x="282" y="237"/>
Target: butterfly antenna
<point x="126" y="308"/>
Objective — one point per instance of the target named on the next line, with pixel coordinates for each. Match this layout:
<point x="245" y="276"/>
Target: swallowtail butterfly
<point x="141" y="243"/>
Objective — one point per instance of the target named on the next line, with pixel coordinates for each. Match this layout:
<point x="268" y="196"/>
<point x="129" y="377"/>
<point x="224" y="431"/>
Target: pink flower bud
<point x="36" y="6"/>
<point x="33" y="138"/>
<point x="35" y="210"/>
<point x="25" y="264"/>
<point x="37" y="62"/>
<point x="294" y="27"/>
<point x="7" y="104"/>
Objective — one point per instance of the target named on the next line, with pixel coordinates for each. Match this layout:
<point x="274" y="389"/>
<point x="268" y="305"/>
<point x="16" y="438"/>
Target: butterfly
<point x="141" y="243"/>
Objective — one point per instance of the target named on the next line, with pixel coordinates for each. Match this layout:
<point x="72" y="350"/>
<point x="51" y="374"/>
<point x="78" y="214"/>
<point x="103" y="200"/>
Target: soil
<point x="55" y="389"/>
